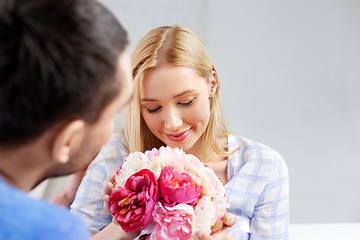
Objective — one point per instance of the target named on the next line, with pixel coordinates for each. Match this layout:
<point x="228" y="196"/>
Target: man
<point x="64" y="74"/>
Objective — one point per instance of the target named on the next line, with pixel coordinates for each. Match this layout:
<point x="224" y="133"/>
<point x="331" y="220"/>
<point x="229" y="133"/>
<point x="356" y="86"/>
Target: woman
<point x="176" y="102"/>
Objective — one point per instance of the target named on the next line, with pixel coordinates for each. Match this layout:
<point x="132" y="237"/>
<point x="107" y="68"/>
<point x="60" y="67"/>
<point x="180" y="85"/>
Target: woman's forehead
<point x="175" y="79"/>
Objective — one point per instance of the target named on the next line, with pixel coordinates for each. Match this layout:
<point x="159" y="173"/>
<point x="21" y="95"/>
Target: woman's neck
<point x="220" y="169"/>
<point x="208" y="155"/>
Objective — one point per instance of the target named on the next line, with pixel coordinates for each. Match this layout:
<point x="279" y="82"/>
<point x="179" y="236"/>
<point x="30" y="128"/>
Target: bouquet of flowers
<point x="169" y="193"/>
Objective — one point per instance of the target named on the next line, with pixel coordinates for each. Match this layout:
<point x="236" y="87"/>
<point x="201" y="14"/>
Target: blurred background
<point x="290" y="78"/>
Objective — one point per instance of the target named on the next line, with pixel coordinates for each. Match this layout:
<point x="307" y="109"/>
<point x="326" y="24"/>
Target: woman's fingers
<point x="229" y="219"/>
<point x="107" y="190"/>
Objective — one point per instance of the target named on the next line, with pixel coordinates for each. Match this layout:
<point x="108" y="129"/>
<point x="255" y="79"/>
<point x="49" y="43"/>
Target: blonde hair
<point x="178" y="46"/>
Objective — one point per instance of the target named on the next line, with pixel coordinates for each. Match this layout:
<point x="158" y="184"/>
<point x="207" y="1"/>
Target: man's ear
<point x="67" y="140"/>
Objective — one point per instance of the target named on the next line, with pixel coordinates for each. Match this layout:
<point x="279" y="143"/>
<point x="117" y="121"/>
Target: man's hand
<point x="67" y="195"/>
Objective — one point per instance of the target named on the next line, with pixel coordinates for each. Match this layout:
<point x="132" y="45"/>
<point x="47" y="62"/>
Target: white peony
<point x="205" y="212"/>
<point x="132" y="164"/>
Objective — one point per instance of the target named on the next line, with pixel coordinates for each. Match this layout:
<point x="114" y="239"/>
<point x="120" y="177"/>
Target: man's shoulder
<point x="23" y="217"/>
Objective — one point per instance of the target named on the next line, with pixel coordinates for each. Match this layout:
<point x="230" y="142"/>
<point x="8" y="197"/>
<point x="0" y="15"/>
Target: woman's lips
<point x="178" y="137"/>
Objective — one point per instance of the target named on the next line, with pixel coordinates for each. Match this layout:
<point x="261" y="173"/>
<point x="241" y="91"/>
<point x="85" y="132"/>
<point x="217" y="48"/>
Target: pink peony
<point x="132" y="205"/>
<point x="181" y="161"/>
<point x="174" y="157"/>
<point x="173" y="222"/>
<point x="152" y="154"/>
<point x="178" y="187"/>
<point x="211" y="184"/>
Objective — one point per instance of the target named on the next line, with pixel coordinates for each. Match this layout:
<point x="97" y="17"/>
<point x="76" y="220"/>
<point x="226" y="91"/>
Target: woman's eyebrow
<point x="183" y="93"/>
<point x="148" y="100"/>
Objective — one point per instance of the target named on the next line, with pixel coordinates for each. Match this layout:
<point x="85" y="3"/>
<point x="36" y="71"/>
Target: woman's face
<point x="174" y="103"/>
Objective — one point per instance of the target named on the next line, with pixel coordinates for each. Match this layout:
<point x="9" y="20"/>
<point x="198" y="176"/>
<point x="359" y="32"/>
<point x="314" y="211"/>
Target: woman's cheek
<point x="152" y="121"/>
<point x="200" y="112"/>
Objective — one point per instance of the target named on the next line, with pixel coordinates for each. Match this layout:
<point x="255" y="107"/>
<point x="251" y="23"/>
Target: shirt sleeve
<point x="88" y="202"/>
<point x="258" y="191"/>
<point x="271" y="213"/>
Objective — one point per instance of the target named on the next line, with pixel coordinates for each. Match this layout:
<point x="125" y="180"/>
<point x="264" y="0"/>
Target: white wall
<point x="290" y="77"/>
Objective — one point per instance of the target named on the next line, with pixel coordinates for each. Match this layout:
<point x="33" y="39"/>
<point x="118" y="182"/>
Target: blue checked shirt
<point x="258" y="189"/>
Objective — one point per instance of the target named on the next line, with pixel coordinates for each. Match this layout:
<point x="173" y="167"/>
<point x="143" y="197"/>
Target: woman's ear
<point x="67" y="140"/>
<point x="213" y="83"/>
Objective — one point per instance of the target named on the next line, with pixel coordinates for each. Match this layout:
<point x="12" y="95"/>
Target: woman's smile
<point x="179" y="137"/>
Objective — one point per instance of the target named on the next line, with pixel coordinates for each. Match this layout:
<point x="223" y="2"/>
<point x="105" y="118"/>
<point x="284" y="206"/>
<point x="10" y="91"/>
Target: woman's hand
<point x="108" y="187"/>
<point x="113" y="230"/>
<point x="223" y="234"/>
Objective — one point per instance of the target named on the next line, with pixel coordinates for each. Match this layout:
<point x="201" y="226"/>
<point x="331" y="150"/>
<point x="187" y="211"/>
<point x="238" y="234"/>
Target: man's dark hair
<point x="58" y="62"/>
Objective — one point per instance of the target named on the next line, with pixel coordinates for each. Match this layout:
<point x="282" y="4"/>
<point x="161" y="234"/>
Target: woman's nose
<point x="173" y="120"/>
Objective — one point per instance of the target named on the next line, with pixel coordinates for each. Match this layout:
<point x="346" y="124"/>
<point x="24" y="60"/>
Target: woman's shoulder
<point x="253" y="154"/>
<point x="251" y="149"/>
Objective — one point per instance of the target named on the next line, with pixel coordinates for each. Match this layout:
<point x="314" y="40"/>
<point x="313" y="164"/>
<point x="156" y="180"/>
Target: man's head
<point x="61" y="64"/>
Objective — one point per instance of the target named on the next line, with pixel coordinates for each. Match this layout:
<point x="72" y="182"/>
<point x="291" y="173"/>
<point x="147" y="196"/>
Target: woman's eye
<point x="187" y="103"/>
<point x="153" y="110"/>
